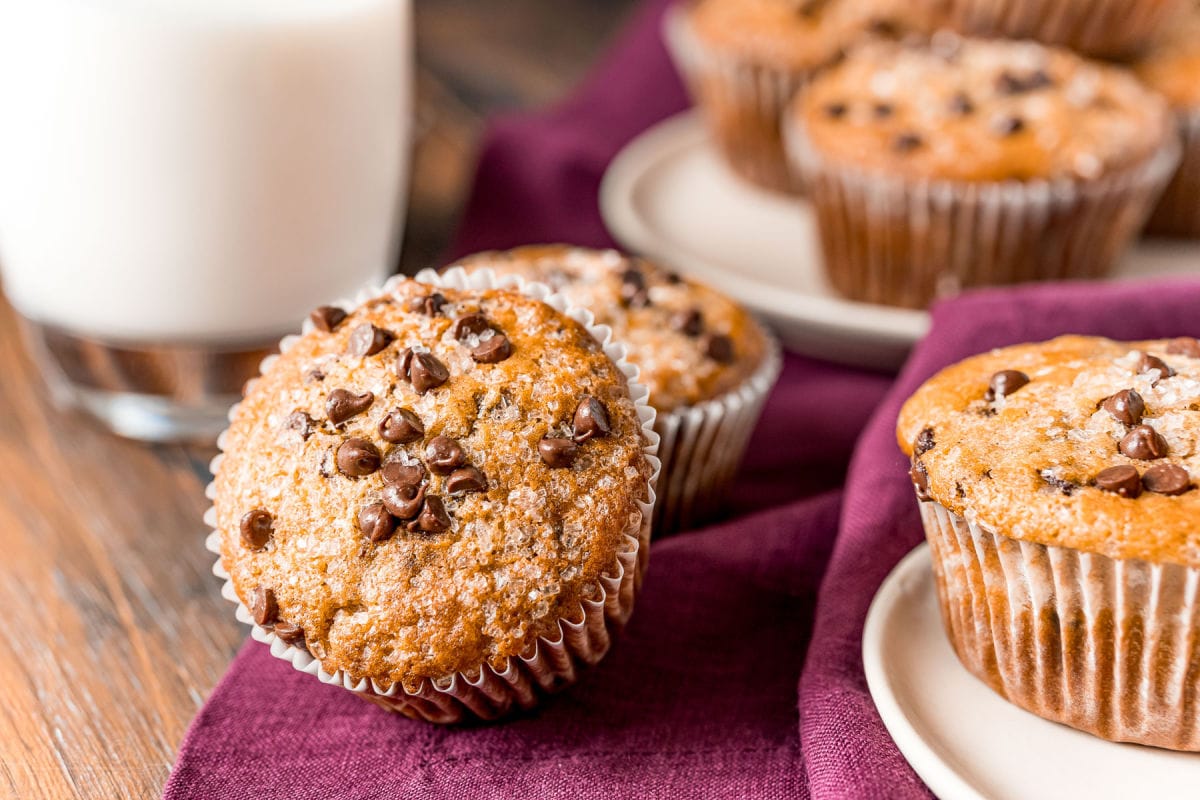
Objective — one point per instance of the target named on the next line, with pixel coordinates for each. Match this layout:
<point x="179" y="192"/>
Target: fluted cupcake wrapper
<point x="743" y="102"/>
<point x="1099" y="28"/>
<point x="1178" y="212"/>
<point x="1106" y="646"/>
<point x="583" y="636"/>
<point x="900" y="241"/>
<point x="701" y="447"/>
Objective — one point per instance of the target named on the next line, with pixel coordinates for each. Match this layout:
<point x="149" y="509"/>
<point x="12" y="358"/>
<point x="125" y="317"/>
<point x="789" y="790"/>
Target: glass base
<point x="149" y="392"/>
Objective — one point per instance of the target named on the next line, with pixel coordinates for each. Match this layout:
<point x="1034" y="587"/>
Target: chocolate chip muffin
<point x="441" y="496"/>
<point x="744" y="60"/>
<point x="708" y="364"/>
<point x="1057" y="485"/>
<point x="1172" y="68"/>
<point x="969" y="162"/>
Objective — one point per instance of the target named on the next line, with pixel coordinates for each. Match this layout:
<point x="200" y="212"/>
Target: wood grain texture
<point x="114" y="628"/>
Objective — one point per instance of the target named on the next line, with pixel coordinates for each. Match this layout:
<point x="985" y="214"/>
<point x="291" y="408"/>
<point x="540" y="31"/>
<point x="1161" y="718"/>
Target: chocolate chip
<point x="556" y="452"/>
<point x="1004" y="383"/>
<point x="1011" y="83"/>
<point x="433" y="517"/>
<point x="836" y="110"/>
<point x="1125" y="406"/>
<point x="290" y="634"/>
<point x="341" y="405"/>
<point x="444" y="455"/>
<point x="401" y="426"/>
<point x="907" y="142"/>
<point x="633" y="278"/>
<point x="719" y="348"/>
<point x="299" y="422"/>
<point x="1148" y="362"/>
<point x="466" y="479"/>
<point x="689" y="322"/>
<point x="492" y="350"/>
<point x="591" y="420"/>
<point x="924" y="442"/>
<point x="426" y="372"/>
<point x="404" y="362"/>
<point x="1062" y="484"/>
<point x="376" y="523"/>
<point x="367" y="340"/>
<point x="403" y="500"/>
<point x="920" y="479"/>
<point x="961" y="105"/>
<point x="1122" y="480"/>
<point x="430" y="305"/>
<point x="1184" y="346"/>
<point x="357" y="457"/>
<point x="1143" y="442"/>
<point x="256" y="528"/>
<point x="1009" y="125"/>
<point x="314" y="376"/>
<point x="633" y="289"/>
<point x="1167" y="479"/>
<point x="395" y="472"/>
<point x="263" y="607"/>
<point x="469" y="325"/>
<point x="327" y="318"/>
<point x="883" y="110"/>
<point x="637" y="299"/>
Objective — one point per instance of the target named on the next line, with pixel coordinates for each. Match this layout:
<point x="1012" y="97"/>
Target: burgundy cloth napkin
<point x="699" y="696"/>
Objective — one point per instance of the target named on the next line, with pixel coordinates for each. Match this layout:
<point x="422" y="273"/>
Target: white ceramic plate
<point x="965" y="741"/>
<point x="669" y="196"/>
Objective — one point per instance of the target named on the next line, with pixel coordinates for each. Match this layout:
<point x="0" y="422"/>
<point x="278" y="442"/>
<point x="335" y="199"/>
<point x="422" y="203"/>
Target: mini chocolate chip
<point x="314" y="376"/>
<point x="556" y="452"/>
<point x="466" y="479"/>
<point x="395" y="472"/>
<point x="430" y="305"/>
<point x="639" y="298"/>
<point x="1184" y="346"/>
<point x="961" y="104"/>
<point x="1167" y="479"/>
<point x="920" y="479"/>
<point x="1125" y="406"/>
<point x="341" y="405"/>
<point x="689" y="322"/>
<point x="633" y="277"/>
<point x="403" y="500"/>
<point x="1143" y="442"/>
<point x="924" y="442"/>
<point x="433" y="517"/>
<point x="357" y="457"/>
<point x="1062" y="484"/>
<point x="492" y="350"/>
<point x="256" y="528"/>
<point x="1009" y="125"/>
<point x="591" y="420"/>
<point x="883" y="110"/>
<point x="426" y="372"/>
<point x="299" y="422"/>
<point x="470" y="324"/>
<point x="404" y="363"/>
<point x="836" y="110"/>
<point x="907" y="142"/>
<point x="444" y="455"/>
<point x="376" y="523"/>
<point x="263" y="607"/>
<point x="633" y="289"/>
<point x="1122" y="479"/>
<point x="290" y="634"/>
<point x="401" y="426"/>
<point x="327" y="318"/>
<point x="1011" y="83"/>
<point x="719" y="348"/>
<point x="367" y="340"/>
<point x="1148" y="362"/>
<point x="1004" y="383"/>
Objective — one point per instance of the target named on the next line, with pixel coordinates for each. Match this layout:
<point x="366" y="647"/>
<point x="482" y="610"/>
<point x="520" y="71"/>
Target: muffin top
<point x="430" y="482"/>
<point x="1078" y="442"/>
<point x="974" y="110"/>
<point x="1172" y="67"/>
<point x="690" y="342"/>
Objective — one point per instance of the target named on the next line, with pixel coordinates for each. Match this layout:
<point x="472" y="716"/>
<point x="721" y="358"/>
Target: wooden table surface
<point x="114" y="629"/>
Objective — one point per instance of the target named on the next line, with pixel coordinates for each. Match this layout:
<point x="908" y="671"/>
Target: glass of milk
<point x="182" y="181"/>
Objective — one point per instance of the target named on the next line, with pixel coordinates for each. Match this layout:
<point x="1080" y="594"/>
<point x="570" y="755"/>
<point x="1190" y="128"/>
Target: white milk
<point x="199" y="170"/>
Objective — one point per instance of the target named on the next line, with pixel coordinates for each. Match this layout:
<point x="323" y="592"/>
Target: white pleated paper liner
<point x="1106" y="646"/>
<point x="1178" y="211"/>
<point x="701" y="447"/>
<point x="892" y="240"/>
<point x="583" y="637"/>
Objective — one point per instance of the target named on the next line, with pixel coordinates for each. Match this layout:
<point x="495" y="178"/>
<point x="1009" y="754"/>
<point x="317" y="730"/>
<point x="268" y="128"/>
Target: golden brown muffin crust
<point x="975" y="110"/>
<point x="518" y="555"/>
<point x="650" y="312"/>
<point x="1026" y="464"/>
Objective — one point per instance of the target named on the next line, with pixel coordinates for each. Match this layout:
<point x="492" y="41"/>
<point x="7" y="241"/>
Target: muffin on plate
<point x="440" y="497"/>
<point x="971" y="162"/>
<point x="1172" y="68"/>
<point x="744" y="60"/>
<point x="708" y="364"/>
<point x="1057" y="485"/>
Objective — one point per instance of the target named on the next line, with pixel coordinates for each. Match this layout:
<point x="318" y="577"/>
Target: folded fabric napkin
<point x="699" y="697"/>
